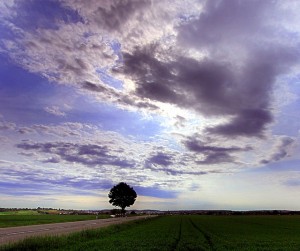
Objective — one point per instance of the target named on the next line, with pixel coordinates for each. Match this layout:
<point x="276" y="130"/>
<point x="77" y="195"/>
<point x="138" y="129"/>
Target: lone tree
<point x="122" y="196"/>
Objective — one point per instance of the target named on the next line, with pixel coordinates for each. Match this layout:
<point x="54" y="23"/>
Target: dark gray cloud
<point x="120" y="98"/>
<point x="210" y="88"/>
<point x="281" y="150"/>
<point x="246" y="123"/>
<point x="171" y="164"/>
<point x="216" y="158"/>
<point x="184" y="81"/>
<point x="212" y="154"/>
<point x="236" y="77"/>
<point x="86" y="154"/>
<point x="165" y="162"/>
<point x="161" y="159"/>
<point x="197" y="146"/>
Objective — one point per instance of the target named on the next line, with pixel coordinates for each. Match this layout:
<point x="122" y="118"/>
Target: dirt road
<point x="13" y="234"/>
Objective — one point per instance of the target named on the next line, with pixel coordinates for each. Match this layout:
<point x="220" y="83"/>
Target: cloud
<point x="35" y="180"/>
<point x="281" y="150"/>
<point x="177" y="171"/>
<point x="246" y="123"/>
<point x="55" y="111"/>
<point x="233" y="77"/>
<point x="109" y="15"/>
<point x="161" y="159"/>
<point x="155" y="192"/>
<point x="25" y="130"/>
<point x="54" y="159"/>
<point x="85" y="154"/>
<point x="90" y="146"/>
<point x="27" y="154"/>
<point x="26" y="182"/>
<point x="210" y="87"/>
<point x="121" y="99"/>
<point x="69" y="56"/>
<point x="92" y="154"/>
<point x="182" y="81"/>
<point x="7" y="125"/>
<point x="179" y="121"/>
<point x="212" y="154"/>
<point x="174" y="163"/>
<point x="77" y="49"/>
<point x="218" y="58"/>
<point x="199" y="147"/>
<point x="216" y="158"/>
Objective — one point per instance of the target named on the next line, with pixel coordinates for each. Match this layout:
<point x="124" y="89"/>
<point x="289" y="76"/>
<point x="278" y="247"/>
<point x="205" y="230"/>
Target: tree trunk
<point x="123" y="211"/>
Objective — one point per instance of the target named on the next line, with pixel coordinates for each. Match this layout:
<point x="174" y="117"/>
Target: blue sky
<point x="195" y="104"/>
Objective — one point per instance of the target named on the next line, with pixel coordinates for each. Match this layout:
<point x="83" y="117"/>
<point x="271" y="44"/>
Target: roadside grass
<point x="25" y="220"/>
<point x="234" y="233"/>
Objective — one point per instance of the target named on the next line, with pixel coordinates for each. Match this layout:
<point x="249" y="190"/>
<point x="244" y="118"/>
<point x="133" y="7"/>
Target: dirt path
<point x="13" y="234"/>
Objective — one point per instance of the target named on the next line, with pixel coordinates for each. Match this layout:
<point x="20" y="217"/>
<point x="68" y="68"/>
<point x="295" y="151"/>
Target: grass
<point x="20" y="212"/>
<point x="255" y="233"/>
<point x="25" y="220"/>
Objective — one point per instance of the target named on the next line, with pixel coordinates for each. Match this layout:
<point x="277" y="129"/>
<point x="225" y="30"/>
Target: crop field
<point x="11" y="220"/>
<point x="20" y="212"/>
<point x="181" y="233"/>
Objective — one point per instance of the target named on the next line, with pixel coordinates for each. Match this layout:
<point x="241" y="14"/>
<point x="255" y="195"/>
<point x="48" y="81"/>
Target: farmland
<point x="8" y="219"/>
<point x="181" y="233"/>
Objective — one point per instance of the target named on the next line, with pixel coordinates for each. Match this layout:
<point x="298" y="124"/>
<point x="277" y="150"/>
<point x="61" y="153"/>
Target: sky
<point x="195" y="103"/>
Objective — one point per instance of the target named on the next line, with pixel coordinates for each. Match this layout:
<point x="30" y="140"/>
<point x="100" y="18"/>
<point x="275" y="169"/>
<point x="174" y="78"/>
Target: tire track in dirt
<point x="205" y="234"/>
<point x="179" y="236"/>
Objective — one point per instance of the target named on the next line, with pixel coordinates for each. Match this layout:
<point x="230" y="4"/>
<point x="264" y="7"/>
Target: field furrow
<point x="179" y="237"/>
<point x="205" y="234"/>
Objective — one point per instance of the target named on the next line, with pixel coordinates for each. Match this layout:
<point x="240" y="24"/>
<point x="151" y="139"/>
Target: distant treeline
<point x="177" y="212"/>
<point x="229" y="212"/>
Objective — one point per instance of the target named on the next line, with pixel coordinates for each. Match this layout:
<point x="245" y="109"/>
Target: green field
<point x="181" y="233"/>
<point x="14" y="220"/>
<point x="20" y="212"/>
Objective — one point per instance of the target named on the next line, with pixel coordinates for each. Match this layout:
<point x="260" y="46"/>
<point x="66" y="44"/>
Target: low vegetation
<point x="180" y="233"/>
<point x="19" y="219"/>
<point x="20" y="212"/>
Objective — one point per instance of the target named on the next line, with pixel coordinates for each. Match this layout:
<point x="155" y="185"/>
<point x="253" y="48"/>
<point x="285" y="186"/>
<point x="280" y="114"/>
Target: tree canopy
<point x="122" y="195"/>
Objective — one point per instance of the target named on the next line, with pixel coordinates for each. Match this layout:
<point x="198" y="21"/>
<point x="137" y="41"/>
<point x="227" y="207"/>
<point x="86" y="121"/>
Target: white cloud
<point x="55" y="111"/>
